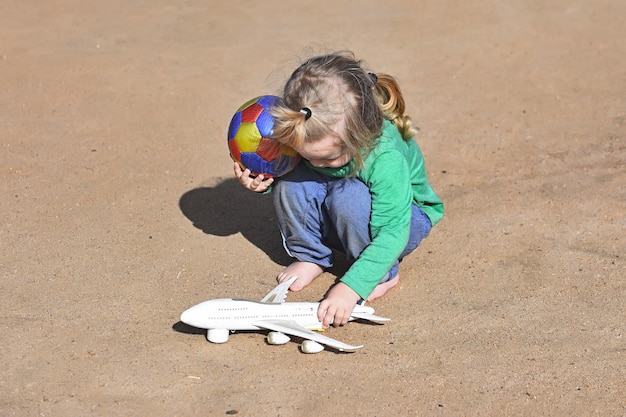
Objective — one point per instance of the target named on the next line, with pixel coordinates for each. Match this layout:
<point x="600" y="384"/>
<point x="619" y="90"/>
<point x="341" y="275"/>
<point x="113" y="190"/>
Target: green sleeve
<point x="389" y="182"/>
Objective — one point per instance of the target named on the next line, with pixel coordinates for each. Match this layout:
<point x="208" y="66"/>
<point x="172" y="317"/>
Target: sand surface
<point x="119" y="210"/>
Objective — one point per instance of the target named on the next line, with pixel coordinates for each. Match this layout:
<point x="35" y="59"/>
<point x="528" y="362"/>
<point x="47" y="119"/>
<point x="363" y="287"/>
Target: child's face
<point x="326" y="152"/>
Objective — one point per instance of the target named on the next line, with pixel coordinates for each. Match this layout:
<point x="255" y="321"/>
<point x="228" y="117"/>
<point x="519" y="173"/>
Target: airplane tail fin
<point x="279" y="293"/>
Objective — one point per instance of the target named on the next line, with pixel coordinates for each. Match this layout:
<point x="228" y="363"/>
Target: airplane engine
<point x="277" y="338"/>
<point x="217" y="335"/>
<point x="309" y="346"/>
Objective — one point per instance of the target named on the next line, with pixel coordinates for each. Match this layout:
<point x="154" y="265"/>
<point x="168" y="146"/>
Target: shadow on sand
<point x="228" y="208"/>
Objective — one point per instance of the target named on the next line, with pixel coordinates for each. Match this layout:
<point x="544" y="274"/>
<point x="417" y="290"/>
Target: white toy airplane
<point x="223" y="315"/>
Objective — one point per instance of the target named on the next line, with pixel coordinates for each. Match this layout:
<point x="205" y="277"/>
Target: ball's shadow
<point x="228" y="208"/>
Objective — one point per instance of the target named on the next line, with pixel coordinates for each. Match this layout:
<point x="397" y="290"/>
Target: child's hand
<point x="258" y="183"/>
<point x="337" y="306"/>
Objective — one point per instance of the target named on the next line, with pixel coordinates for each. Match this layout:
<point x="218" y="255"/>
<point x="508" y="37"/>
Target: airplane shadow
<point x="181" y="327"/>
<point x="184" y="328"/>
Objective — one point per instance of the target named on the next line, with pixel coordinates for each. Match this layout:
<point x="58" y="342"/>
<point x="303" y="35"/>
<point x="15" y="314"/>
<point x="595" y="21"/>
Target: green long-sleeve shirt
<point x="395" y="174"/>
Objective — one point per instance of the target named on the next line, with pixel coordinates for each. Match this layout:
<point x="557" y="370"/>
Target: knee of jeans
<point x="288" y="194"/>
<point x="350" y="199"/>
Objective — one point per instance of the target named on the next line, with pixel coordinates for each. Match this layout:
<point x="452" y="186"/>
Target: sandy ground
<point x="119" y="210"/>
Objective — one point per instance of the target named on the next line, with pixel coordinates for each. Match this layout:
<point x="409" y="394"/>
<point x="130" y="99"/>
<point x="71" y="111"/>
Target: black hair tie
<point x="374" y="77"/>
<point x="307" y="113"/>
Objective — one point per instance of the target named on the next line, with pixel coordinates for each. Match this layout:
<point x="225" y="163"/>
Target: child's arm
<point x="390" y="186"/>
<point x="258" y="184"/>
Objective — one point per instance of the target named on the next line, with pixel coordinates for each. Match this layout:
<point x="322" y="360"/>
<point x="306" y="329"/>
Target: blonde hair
<point x="335" y="93"/>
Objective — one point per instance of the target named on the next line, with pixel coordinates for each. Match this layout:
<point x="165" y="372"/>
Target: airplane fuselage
<point x="238" y="314"/>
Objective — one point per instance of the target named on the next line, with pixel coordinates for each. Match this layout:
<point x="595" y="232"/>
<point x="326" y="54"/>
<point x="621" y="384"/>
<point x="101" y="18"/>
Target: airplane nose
<point x="193" y="317"/>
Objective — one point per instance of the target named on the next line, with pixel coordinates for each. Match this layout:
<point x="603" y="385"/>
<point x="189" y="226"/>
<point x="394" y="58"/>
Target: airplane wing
<point x="289" y="327"/>
<point x="279" y="293"/>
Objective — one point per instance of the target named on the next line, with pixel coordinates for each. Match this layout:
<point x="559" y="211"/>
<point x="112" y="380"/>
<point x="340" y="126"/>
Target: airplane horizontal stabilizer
<point x="368" y="317"/>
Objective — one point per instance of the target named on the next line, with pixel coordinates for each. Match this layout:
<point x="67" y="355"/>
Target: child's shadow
<point x="228" y="208"/>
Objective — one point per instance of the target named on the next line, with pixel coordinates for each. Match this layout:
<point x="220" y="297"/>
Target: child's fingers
<point x="326" y="313"/>
<point x="258" y="183"/>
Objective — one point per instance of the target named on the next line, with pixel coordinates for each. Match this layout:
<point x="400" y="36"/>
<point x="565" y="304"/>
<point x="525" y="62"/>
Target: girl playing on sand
<point x="361" y="187"/>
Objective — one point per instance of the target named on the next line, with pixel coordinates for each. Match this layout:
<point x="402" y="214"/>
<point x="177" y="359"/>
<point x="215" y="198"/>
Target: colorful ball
<point x="250" y="142"/>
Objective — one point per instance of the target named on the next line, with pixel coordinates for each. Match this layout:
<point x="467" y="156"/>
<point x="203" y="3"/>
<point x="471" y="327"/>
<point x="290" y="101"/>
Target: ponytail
<point x="392" y="104"/>
<point x="289" y="126"/>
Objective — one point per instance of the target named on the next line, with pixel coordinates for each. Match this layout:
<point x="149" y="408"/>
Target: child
<point x="361" y="187"/>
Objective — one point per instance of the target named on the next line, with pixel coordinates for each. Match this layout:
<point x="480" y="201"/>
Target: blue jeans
<point x="318" y="214"/>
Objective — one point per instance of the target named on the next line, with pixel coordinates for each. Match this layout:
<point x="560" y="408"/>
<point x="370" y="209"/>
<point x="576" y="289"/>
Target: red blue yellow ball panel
<point x="250" y="142"/>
